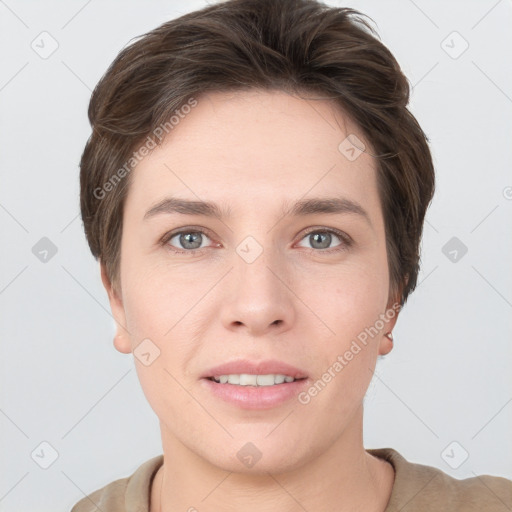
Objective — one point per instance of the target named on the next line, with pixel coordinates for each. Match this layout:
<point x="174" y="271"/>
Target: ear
<point x="391" y="316"/>
<point x="121" y="341"/>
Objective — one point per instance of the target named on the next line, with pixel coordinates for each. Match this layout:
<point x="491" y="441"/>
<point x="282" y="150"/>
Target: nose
<point x="258" y="297"/>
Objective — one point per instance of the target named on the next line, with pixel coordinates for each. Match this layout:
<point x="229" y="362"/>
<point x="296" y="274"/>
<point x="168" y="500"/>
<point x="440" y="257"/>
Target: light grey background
<point x="448" y="377"/>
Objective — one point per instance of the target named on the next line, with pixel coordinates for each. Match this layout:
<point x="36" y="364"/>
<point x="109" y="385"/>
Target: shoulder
<point x="129" y="494"/>
<point x="107" y="498"/>
<point x="481" y="492"/>
<point x="425" y="488"/>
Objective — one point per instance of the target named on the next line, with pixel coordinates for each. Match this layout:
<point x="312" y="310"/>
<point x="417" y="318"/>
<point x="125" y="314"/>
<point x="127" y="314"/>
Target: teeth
<point x="233" y="379"/>
<point x="245" y="379"/>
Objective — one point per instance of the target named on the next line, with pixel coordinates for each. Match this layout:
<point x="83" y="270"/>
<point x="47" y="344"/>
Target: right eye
<point x="185" y="240"/>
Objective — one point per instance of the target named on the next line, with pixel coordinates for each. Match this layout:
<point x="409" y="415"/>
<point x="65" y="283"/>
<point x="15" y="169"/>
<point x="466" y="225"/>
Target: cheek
<point x="359" y="296"/>
<point x="144" y="312"/>
<point x="155" y="298"/>
<point x="165" y="306"/>
<point x="353" y="312"/>
<point x="349" y="356"/>
<point x="157" y="311"/>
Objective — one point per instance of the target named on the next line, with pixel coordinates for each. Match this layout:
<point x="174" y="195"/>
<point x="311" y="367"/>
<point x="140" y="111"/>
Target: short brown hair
<point x="290" y="45"/>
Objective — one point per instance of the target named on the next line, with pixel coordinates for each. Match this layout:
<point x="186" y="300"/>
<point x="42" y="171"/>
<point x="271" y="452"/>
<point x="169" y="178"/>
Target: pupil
<point x="189" y="240"/>
<point x="326" y="236"/>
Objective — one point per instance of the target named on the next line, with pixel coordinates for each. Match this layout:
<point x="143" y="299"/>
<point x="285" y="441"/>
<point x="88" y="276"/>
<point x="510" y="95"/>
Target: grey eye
<point x="321" y="239"/>
<point x="189" y="240"/>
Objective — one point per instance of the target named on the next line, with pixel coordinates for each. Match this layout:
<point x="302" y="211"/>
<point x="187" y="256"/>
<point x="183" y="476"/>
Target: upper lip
<point x="267" y="367"/>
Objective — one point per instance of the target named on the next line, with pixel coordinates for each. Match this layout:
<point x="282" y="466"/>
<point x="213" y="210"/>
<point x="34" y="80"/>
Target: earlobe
<point x="391" y="315"/>
<point x="122" y="344"/>
<point x="386" y="344"/>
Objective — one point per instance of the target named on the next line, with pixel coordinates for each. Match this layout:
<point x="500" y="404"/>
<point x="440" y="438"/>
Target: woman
<point x="255" y="190"/>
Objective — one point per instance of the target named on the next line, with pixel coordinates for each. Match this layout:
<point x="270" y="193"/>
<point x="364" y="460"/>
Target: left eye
<point x="322" y="239"/>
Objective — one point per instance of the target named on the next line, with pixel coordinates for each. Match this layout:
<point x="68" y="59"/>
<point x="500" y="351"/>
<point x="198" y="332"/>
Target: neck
<point x="341" y="479"/>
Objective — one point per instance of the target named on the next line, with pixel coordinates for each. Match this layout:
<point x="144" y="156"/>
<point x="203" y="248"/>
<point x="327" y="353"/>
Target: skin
<point x="254" y="151"/>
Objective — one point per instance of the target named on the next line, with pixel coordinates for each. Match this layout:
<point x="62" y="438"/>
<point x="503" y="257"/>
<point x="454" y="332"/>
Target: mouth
<point x="254" y="380"/>
<point x="254" y="385"/>
<point x="244" y="372"/>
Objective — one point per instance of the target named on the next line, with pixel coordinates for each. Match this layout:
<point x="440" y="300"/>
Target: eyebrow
<point x="304" y="207"/>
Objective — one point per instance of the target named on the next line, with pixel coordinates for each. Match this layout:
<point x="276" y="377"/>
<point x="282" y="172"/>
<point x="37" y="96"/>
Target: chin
<point x="274" y="463"/>
<point x="257" y="452"/>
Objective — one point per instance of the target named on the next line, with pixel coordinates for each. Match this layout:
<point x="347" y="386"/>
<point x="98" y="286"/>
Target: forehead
<point x="251" y="148"/>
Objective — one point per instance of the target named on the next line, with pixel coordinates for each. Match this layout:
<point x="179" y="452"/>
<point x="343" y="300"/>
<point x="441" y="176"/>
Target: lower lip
<point x="255" y="397"/>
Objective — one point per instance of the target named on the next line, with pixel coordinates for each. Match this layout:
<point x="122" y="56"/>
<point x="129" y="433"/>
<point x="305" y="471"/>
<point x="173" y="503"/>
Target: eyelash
<point x="346" y="241"/>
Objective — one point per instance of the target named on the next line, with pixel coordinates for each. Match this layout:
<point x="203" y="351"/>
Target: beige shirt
<point x="416" y="488"/>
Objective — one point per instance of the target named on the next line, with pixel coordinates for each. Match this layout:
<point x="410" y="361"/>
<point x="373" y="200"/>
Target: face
<point x="261" y="281"/>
